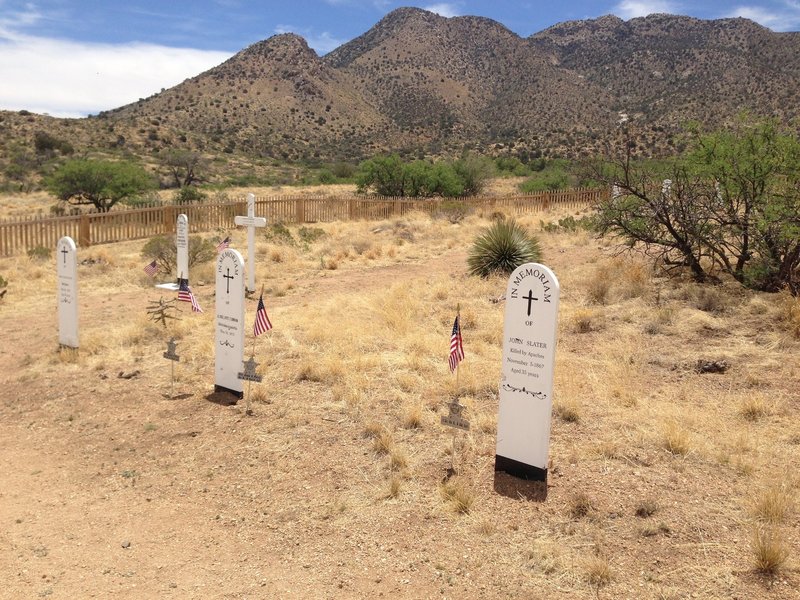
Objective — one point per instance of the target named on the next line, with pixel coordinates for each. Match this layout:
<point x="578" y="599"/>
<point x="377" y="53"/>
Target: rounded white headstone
<point x="526" y="385"/>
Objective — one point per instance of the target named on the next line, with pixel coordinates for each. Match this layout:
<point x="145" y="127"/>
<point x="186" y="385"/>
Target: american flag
<point x="456" y="346"/>
<point x="262" y="323"/>
<point x="224" y="244"/>
<point x="151" y="269"/>
<point x="185" y="295"/>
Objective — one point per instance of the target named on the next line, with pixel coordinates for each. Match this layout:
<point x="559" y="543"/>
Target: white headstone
<point x="251" y="221"/>
<point x="526" y="385"/>
<point x="67" y="273"/>
<point x="182" y="244"/>
<point x="229" y="337"/>
<point x="182" y="247"/>
<point x="666" y="188"/>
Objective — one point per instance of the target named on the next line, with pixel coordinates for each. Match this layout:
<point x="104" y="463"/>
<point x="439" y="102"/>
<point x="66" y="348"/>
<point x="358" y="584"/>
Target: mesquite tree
<point x="732" y="205"/>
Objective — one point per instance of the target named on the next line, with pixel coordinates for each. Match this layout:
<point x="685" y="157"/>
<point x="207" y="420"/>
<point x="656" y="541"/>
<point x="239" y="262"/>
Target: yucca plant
<point x="501" y="248"/>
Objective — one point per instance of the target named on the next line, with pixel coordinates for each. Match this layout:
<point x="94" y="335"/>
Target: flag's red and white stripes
<point x="262" y="323"/>
<point x="456" y="346"/>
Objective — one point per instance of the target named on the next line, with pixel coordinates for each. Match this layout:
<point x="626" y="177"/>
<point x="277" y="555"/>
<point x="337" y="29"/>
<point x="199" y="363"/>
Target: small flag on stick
<point x="185" y="295"/>
<point x="262" y="323"/>
<point x="456" y="346"/>
<point x="223" y="245"/>
<point x="151" y="269"/>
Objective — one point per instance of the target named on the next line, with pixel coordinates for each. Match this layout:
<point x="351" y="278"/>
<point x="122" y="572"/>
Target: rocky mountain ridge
<point x="425" y="85"/>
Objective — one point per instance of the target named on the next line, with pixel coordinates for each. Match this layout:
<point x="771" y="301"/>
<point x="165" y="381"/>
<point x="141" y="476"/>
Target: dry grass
<point x="676" y="439"/>
<point x="459" y="494"/>
<point x="598" y="570"/>
<point x="773" y="503"/>
<point x="769" y="548"/>
<point x="355" y="378"/>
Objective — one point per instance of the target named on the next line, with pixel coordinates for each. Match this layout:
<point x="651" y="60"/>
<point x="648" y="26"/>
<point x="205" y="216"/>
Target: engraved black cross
<point x="530" y="299"/>
<point x="64" y="251"/>
<point x="228" y="282"/>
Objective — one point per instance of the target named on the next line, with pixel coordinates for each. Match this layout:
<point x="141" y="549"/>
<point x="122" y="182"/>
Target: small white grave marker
<point x="182" y="246"/>
<point x="526" y="385"/>
<point x="229" y="337"/>
<point x="251" y="221"/>
<point x="67" y="274"/>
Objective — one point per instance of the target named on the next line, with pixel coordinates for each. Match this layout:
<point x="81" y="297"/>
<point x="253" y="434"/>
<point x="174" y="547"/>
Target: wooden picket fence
<point x="18" y="236"/>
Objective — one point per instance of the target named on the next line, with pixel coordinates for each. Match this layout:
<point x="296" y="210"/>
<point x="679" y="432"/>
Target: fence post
<point x="170" y="218"/>
<point x="84" y="232"/>
<point x="351" y="209"/>
<point x="300" y="208"/>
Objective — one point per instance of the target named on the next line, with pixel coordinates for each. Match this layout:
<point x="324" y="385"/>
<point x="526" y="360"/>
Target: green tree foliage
<point x="548" y="176"/>
<point x="501" y="248"/>
<point x="47" y="145"/>
<point x="97" y="182"/>
<point x="732" y="206"/>
<point x="391" y="176"/>
<point x="184" y="166"/>
<point x="188" y="195"/>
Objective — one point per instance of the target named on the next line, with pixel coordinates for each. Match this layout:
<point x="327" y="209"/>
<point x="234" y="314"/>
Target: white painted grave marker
<point x="182" y="246"/>
<point x="67" y="274"/>
<point x="526" y="385"/>
<point x="229" y="337"/>
<point x="251" y="221"/>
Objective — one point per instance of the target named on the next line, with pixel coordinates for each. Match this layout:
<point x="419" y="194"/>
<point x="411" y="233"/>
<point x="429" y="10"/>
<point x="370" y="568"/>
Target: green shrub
<point x="162" y="249"/>
<point x="39" y="253"/>
<point x="501" y="248"/>
<point x="144" y="200"/>
<point x="188" y="194"/>
<point x="278" y="233"/>
<point x="310" y="235"/>
<point x="3" y="282"/>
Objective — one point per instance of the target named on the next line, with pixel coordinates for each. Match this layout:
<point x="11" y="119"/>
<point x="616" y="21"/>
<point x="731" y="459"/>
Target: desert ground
<point x="673" y="456"/>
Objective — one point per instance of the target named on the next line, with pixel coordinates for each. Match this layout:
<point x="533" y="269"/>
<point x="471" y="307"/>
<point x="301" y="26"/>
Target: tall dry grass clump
<point x="459" y="494"/>
<point x="769" y="548"/>
<point x="676" y="439"/>
<point x="790" y="314"/>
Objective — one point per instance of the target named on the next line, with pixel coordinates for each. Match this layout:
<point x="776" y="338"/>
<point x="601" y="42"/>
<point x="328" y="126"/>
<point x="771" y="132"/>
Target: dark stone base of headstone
<point x="225" y="396"/>
<point x="516" y="479"/>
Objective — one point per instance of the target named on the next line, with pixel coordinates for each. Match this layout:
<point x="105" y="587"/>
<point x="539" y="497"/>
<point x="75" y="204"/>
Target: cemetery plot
<point x="335" y="486"/>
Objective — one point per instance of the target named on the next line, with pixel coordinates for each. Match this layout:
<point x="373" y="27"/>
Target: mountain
<point x="421" y="84"/>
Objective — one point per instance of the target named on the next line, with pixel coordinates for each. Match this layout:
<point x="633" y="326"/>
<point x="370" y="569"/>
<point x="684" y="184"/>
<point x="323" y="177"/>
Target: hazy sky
<point x="73" y="58"/>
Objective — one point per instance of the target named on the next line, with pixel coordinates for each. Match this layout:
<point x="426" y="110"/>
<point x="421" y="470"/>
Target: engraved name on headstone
<point x="67" y="275"/>
<point x="526" y="385"/>
<point x="251" y="221"/>
<point x="229" y="336"/>
<point x="182" y="245"/>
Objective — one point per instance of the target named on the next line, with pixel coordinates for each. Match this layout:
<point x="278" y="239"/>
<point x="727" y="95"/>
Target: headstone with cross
<point x="67" y="293"/>
<point x="526" y="386"/>
<point x="229" y="337"/>
<point x="251" y="221"/>
<point x="182" y="250"/>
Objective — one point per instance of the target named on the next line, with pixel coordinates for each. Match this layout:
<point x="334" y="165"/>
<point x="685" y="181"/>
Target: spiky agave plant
<point x="501" y="248"/>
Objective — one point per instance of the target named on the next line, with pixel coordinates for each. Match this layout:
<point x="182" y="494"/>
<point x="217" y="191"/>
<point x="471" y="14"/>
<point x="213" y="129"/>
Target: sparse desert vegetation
<point x="666" y="481"/>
